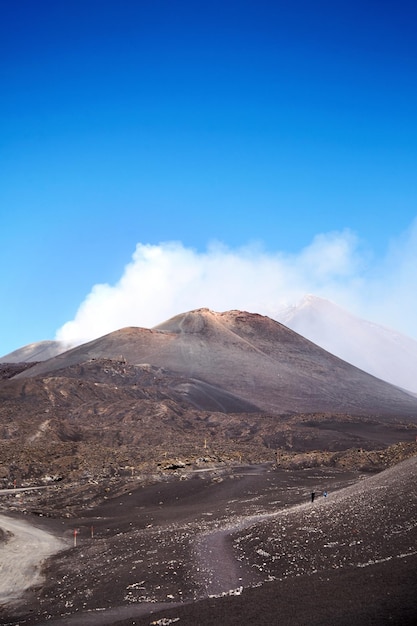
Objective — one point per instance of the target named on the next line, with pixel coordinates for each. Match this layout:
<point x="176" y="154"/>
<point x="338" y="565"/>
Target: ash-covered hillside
<point x="249" y="356"/>
<point x="221" y="386"/>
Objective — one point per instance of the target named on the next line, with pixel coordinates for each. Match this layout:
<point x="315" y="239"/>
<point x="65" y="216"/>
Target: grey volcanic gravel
<point x="372" y="521"/>
<point x="255" y="543"/>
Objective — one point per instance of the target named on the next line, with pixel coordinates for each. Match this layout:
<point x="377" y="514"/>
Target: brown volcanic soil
<point x="252" y="533"/>
<point x="137" y="436"/>
<point x="249" y="356"/>
<point x="86" y="414"/>
<point x="104" y="419"/>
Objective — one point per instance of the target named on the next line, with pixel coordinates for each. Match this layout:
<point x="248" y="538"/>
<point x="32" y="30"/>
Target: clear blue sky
<point x="147" y="121"/>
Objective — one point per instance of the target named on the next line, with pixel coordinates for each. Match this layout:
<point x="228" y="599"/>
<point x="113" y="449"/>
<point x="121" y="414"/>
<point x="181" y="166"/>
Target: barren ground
<point x="249" y="537"/>
<point x="135" y="439"/>
<point x="24" y="548"/>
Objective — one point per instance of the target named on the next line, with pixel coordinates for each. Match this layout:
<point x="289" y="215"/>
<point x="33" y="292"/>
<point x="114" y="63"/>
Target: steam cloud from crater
<point x="166" y="279"/>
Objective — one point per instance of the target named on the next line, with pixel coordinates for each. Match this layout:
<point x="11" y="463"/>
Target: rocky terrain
<point x="227" y="388"/>
<point x="177" y="464"/>
<point x="230" y="544"/>
<point x="254" y="358"/>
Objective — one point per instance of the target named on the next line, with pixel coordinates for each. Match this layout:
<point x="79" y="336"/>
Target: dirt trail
<point x="175" y="509"/>
<point x="21" y="557"/>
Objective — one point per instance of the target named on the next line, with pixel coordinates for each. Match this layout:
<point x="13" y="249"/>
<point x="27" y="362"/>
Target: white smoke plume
<point x="166" y="279"/>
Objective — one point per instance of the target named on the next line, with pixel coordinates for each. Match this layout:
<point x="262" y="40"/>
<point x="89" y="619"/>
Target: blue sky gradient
<point x="144" y="122"/>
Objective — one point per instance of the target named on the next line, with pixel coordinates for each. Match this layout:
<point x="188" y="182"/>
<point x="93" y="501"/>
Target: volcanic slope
<point x="380" y="351"/>
<point x="34" y="352"/>
<point x="250" y="356"/>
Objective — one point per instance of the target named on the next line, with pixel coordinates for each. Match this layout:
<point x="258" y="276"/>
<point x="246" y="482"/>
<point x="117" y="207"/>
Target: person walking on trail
<point x="313" y="495"/>
<point x="325" y="494"/>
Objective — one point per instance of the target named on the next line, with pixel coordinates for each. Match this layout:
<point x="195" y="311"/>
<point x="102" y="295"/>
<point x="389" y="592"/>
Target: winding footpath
<point x="21" y="557"/>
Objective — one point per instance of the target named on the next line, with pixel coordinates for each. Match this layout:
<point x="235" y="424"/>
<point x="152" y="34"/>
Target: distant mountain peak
<point x="375" y="349"/>
<point x="381" y="351"/>
<point x="38" y="351"/>
<point x="254" y="358"/>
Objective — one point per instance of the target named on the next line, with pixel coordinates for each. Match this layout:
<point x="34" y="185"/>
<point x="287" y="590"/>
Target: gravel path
<point x="257" y="539"/>
<point x="21" y="557"/>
